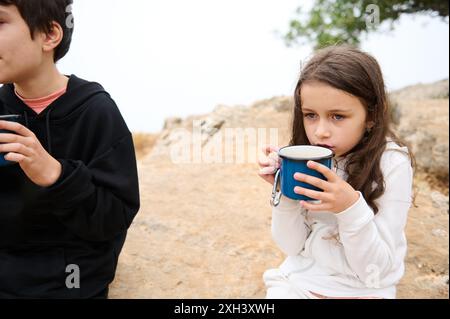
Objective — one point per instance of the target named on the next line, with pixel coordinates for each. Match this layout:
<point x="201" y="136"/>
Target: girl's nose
<point x="322" y="131"/>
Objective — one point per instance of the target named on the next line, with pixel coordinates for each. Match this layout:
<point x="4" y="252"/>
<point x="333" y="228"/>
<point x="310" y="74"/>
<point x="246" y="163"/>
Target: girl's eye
<point x="338" y="117"/>
<point x="309" y="115"/>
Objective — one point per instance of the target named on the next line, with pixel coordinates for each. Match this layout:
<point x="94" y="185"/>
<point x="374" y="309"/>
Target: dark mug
<point x="10" y="118"/>
<point x="294" y="159"/>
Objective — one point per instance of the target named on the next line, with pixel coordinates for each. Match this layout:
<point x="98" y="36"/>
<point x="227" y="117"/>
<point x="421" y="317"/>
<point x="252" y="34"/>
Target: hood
<point x="78" y="92"/>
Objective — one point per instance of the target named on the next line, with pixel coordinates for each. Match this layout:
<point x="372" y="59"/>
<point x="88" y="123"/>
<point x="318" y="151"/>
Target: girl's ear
<point x="53" y="38"/>
<point x="370" y="125"/>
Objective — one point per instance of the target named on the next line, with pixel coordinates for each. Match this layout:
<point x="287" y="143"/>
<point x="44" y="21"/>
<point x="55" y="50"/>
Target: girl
<point x="350" y="242"/>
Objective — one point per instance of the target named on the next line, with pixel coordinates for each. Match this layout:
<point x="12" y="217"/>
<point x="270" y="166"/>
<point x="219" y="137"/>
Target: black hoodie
<point x="79" y="223"/>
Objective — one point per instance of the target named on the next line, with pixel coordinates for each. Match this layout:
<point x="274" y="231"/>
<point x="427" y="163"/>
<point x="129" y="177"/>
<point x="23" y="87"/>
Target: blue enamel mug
<point x="294" y="159"/>
<point x="11" y="118"/>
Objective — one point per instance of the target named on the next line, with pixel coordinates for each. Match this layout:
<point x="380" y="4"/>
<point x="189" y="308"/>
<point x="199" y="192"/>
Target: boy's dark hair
<point x="39" y="16"/>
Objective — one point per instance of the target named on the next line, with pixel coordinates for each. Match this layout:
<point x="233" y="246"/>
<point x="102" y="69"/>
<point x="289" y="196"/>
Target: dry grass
<point x="439" y="183"/>
<point x="143" y="143"/>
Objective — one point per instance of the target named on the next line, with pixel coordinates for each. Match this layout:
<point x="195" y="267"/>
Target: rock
<point x="439" y="232"/>
<point x="220" y="211"/>
<point x="439" y="165"/>
<point x="172" y="123"/>
<point x="422" y="146"/>
<point x="439" y="201"/>
<point x="284" y="105"/>
<point x="279" y="104"/>
<point x="223" y="111"/>
<point x="211" y="126"/>
<point x="420" y="92"/>
<point x="421" y="115"/>
<point x="396" y="113"/>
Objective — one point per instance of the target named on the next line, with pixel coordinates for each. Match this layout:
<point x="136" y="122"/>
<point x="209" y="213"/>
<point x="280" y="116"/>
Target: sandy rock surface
<point x="203" y="230"/>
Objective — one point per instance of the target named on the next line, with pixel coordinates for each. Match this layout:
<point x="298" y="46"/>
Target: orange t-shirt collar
<point x="40" y="104"/>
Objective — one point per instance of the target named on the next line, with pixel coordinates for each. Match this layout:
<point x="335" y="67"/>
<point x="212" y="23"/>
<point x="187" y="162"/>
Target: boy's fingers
<point x="12" y="138"/>
<point x="15" y="127"/>
<point x="15" y="148"/>
<point x="15" y="157"/>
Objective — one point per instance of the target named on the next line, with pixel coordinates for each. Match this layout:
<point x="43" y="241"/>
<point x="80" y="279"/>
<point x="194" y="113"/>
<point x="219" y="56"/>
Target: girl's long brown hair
<point x="357" y="73"/>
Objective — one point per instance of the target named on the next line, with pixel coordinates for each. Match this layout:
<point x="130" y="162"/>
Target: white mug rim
<point x="330" y="153"/>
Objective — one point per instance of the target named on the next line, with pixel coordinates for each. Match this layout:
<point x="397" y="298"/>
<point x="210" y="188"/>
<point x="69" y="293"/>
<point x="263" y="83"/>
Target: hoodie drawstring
<point x="47" y="126"/>
<point x="25" y="115"/>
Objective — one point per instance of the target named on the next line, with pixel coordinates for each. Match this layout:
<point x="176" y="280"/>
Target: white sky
<point x="167" y="58"/>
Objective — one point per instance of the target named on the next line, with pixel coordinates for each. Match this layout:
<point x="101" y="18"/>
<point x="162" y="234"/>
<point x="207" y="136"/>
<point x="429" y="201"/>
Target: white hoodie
<point x="354" y="253"/>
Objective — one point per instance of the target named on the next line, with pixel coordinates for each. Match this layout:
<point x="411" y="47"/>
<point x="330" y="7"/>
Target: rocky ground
<point x="204" y="229"/>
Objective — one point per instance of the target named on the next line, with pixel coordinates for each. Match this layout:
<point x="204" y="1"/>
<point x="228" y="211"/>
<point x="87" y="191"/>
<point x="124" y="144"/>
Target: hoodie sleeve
<point x="97" y="199"/>
<point x="375" y="246"/>
<point x="289" y="230"/>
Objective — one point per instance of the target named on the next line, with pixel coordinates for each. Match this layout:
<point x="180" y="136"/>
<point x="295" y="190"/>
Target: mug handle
<point x="276" y="196"/>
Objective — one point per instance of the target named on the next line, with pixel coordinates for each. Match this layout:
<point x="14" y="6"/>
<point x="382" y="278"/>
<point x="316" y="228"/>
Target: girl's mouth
<point x="326" y="146"/>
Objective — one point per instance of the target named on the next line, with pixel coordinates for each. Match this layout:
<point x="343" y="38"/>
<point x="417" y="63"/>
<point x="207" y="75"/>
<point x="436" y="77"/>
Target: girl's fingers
<point x="314" y="181"/>
<point x="269" y="161"/>
<point x="274" y="156"/>
<point x="311" y="194"/>
<point x="263" y="162"/>
<point x="270" y="170"/>
<point x="325" y="171"/>
<point x="267" y="149"/>
<point x="274" y="163"/>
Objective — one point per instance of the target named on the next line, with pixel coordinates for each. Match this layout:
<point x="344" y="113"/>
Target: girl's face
<point x="332" y="118"/>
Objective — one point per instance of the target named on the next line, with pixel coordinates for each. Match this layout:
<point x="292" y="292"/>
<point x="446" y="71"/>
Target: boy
<point x="71" y="190"/>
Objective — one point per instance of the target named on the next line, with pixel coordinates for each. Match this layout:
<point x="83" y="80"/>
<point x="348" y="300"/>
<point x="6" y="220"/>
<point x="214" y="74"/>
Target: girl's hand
<point x="337" y="194"/>
<point x="269" y="163"/>
<point x="24" y="148"/>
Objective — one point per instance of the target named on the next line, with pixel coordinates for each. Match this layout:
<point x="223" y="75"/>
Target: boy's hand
<point x="337" y="194"/>
<point x="25" y="149"/>
<point x="269" y="163"/>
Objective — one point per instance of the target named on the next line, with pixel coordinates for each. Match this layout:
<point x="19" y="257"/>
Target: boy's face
<point x="20" y="56"/>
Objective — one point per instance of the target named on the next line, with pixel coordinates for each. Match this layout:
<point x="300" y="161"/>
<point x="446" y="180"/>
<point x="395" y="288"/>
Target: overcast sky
<point x="177" y="58"/>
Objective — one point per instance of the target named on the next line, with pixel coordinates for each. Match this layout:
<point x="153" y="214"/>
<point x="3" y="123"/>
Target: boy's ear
<point x="53" y="38"/>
